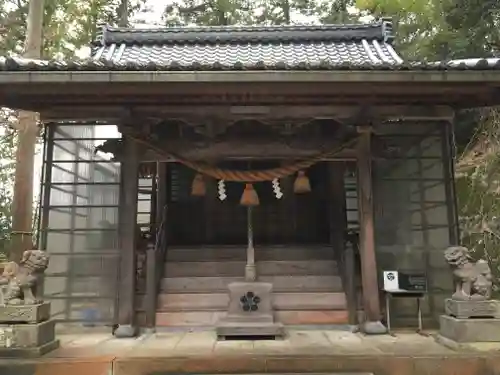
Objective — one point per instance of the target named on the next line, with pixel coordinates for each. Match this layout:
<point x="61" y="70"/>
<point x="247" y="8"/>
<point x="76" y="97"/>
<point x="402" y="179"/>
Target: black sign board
<point x="414" y="282"/>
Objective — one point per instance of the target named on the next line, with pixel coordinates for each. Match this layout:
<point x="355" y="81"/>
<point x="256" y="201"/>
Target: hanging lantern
<point x="198" y="188"/>
<point x="249" y="197"/>
<point x="302" y="184"/>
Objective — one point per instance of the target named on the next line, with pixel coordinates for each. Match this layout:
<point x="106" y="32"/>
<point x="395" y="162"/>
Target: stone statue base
<point x="472" y="309"/>
<point x="26" y="331"/>
<point x="469" y="330"/>
<point x="27" y="340"/>
<point x="25" y="313"/>
<point x="250" y="312"/>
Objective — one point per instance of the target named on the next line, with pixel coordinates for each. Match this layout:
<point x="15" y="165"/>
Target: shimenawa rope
<point x="244" y="176"/>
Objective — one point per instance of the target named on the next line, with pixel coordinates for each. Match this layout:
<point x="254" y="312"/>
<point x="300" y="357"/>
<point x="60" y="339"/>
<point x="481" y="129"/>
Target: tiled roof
<point x="14" y="64"/>
<point x="324" y="47"/>
<point x="250" y="47"/>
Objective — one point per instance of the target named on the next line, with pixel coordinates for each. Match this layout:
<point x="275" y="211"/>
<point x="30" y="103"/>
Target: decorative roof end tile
<point x="387" y="29"/>
<point x="101" y="35"/>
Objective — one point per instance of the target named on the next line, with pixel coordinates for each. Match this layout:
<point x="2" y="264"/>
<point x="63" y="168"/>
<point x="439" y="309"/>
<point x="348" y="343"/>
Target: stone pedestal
<point x="472" y="309"/>
<point x="25" y="313"/>
<point x="26" y="331"/>
<point x="469" y="324"/>
<point x="250" y="312"/>
<point x="469" y="330"/>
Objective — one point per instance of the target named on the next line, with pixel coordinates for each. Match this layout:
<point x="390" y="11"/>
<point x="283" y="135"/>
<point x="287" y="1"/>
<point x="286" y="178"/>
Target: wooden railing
<point x="155" y="264"/>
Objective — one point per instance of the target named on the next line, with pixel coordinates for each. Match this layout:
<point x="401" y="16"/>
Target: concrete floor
<point x="327" y="351"/>
<point x="204" y="343"/>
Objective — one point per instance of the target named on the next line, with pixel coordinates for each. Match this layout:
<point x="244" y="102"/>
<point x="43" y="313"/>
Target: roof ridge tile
<point x="242" y="34"/>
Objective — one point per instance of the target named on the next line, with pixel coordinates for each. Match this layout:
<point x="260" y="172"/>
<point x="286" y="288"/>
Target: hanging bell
<point x="198" y="188"/>
<point x="301" y="184"/>
<point x="249" y="197"/>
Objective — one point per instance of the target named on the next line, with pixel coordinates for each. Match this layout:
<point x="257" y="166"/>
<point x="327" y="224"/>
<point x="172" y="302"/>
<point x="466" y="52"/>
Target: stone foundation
<point x="469" y="330"/>
<point x="27" y="340"/>
<point x="25" y="331"/>
<point x="25" y="313"/>
<point x="472" y="309"/>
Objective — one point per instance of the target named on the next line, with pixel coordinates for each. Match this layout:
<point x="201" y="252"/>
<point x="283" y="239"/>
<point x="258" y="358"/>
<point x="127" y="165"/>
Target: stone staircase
<point x="307" y="286"/>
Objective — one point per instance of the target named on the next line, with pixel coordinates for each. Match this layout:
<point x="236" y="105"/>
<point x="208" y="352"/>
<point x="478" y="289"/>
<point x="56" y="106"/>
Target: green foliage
<point x="336" y="11"/>
<point x="260" y="12"/>
<point x="209" y="12"/>
<point x="68" y="24"/>
<point x="478" y="191"/>
<point x="441" y="29"/>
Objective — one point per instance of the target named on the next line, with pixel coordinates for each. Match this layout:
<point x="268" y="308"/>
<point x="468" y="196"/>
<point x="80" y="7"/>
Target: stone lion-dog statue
<point x="472" y="280"/>
<point x="19" y="282"/>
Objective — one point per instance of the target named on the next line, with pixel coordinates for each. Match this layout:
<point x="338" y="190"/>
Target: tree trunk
<point x="27" y="129"/>
<point x="286" y="12"/>
<point x="123" y="16"/>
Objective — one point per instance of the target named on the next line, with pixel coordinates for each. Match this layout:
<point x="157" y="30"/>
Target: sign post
<point x="404" y="285"/>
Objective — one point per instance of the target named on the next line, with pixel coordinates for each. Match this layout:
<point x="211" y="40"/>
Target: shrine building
<point x="179" y="160"/>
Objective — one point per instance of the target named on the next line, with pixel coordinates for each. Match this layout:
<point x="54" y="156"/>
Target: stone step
<point x="210" y="318"/>
<point x="237" y="268"/>
<point x="238" y="253"/>
<point x="220" y="301"/>
<point x="280" y="284"/>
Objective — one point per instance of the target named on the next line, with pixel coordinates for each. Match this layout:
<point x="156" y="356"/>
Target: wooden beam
<point x="474" y="97"/>
<point x="304" y="112"/>
<point x="242" y="150"/>
<point x="193" y="113"/>
<point x="128" y="240"/>
<point x="307" y="76"/>
<point x="371" y="302"/>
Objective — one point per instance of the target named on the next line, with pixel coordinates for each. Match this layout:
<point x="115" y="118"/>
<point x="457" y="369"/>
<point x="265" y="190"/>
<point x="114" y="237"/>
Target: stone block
<point x="24" y="313"/>
<point x="17" y="340"/>
<point x="249" y="329"/>
<point x="469" y="330"/>
<point x="472" y="309"/>
<point x="258" y="306"/>
<point x="250" y="312"/>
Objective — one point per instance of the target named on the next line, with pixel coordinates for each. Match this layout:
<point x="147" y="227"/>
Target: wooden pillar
<point x="47" y="186"/>
<point x="338" y="227"/>
<point x="156" y="256"/>
<point x="448" y="160"/>
<point x="127" y="232"/>
<point x="371" y="302"/>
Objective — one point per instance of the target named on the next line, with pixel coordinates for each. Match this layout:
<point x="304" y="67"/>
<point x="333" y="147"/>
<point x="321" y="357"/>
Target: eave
<point x="50" y="92"/>
<point x="307" y="76"/>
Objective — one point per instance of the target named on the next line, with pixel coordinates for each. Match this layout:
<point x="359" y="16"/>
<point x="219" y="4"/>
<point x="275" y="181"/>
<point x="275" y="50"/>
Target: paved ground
<point x="204" y="343"/>
<point x="313" y="351"/>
